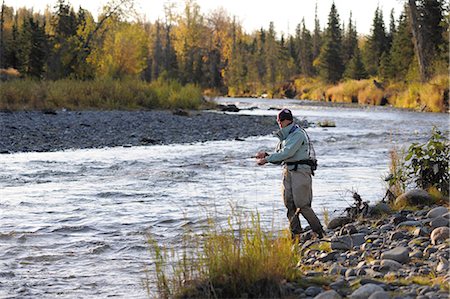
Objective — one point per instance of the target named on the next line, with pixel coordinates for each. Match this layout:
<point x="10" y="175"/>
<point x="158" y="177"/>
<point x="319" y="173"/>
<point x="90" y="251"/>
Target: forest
<point x="403" y="63"/>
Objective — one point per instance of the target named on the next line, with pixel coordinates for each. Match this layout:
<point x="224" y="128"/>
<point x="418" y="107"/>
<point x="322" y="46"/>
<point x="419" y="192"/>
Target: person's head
<point x="284" y="118"/>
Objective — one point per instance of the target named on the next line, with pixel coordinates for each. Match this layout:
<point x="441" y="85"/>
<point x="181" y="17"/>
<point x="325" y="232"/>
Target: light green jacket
<point x="292" y="147"/>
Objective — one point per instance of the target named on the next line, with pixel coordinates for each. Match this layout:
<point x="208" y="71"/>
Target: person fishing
<point x="296" y="153"/>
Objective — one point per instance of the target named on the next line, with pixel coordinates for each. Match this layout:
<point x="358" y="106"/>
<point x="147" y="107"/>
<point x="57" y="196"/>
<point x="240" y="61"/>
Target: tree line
<point x="213" y="50"/>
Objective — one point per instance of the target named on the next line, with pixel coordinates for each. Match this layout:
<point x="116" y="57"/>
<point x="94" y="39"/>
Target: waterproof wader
<point x="297" y="193"/>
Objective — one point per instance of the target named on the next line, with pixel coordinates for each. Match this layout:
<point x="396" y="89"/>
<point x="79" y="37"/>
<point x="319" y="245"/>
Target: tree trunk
<point x="2" y="20"/>
<point x="417" y="39"/>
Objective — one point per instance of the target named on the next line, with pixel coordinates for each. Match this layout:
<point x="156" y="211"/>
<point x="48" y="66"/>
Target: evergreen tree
<point x="306" y="49"/>
<point x="386" y="69"/>
<point x="38" y="51"/>
<point x="430" y="18"/>
<point x="350" y="41"/>
<point x="402" y="50"/>
<point x="355" y="67"/>
<point x="376" y="44"/>
<point x="317" y="36"/>
<point x="329" y="61"/>
<point x="392" y="30"/>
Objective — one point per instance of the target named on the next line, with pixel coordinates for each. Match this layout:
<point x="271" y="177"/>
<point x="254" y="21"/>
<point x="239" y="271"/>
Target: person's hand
<point x="261" y="161"/>
<point x="261" y="154"/>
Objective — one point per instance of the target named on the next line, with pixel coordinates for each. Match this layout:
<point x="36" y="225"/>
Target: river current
<point x="74" y="223"/>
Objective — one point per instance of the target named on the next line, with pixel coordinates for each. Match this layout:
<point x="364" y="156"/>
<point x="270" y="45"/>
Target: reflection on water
<point x="74" y="223"/>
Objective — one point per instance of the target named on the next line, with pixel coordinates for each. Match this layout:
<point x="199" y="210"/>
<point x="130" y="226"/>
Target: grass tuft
<point x="238" y="260"/>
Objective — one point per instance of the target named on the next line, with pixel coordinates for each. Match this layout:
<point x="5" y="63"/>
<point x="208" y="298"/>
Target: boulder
<point x="436" y="212"/>
<point x="338" y="222"/>
<point x="380" y="209"/>
<point x="416" y="197"/>
<point x="439" y="234"/>
<point x="399" y="254"/>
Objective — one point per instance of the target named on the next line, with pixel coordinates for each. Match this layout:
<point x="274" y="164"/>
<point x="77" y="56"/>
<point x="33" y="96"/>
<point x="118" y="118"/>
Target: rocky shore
<point x="388" y="254"/>
<point x="37" y="131"/>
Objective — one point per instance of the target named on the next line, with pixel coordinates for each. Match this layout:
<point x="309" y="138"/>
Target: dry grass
<point x="228" y="262"/>
<point x="101" y="94"/>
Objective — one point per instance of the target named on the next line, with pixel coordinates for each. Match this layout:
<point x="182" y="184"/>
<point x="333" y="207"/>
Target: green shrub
<point x="424" y="166"/>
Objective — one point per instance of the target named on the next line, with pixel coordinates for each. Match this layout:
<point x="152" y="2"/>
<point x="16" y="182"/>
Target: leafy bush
<point x="424" y="166"/>
<point x="427" y="164"/>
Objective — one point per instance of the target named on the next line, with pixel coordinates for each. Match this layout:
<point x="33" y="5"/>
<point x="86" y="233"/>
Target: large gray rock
<point x="331" y="294"/>
<point x="366" y="291"/>
<point x="436" y="212"/>
<point x="439" y="234"/>
<point x="399" y="254"/>
<point x="338" y="222"/>
<point x="416" y="197"/>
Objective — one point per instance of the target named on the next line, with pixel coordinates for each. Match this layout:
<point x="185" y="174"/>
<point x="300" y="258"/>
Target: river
<point x="74" y="223"/>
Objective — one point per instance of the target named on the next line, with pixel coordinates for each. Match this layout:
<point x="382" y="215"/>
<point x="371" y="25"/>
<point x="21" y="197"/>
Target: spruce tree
<point x="376" y="44"/>
<point x="350" y="41"/>
<point x="329" y="61"/>
<point x="402" y="50"/>
<point x="355" y="67"/>
<point x="306" y="51"/>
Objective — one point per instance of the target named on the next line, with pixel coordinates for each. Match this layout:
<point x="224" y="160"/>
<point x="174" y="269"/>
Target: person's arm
<point x="293" y="144"/>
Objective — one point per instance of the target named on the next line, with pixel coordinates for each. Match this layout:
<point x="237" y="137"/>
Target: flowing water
<point x="74" y="224"/>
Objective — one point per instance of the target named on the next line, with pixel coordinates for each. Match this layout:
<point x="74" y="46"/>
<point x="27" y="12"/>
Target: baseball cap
<point x="284" y="114"/>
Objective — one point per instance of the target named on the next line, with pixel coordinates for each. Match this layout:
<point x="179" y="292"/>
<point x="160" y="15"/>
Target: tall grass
<point x="238" y="260"/>
<point x="432" y="96"/>
<point x="98" y="94"/>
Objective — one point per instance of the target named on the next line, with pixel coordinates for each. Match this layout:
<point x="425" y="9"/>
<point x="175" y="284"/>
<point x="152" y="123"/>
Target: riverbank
<point x="384" y="253"/>
<point x="39" y="131"/>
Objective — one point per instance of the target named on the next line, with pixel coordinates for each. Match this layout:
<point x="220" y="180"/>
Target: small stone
<point x="439" y="234"/>
<point x="391" y="264"/>
<point x="410" y="223"/>
<point x="331" y="294"/>
<point x="397" y="235"/>
<point x="420" y="232"/>
<point x="338" y="222"/>
<point x="416" y="254"/>
<point x="415" y="197"/>
<point x="436" y="212"/>
<point x="399" y="254"/>
<point x="439" y="222"/>
<point x="379" y="295"/>
<point x="365" y="291"/>
<point x="313" y="291"/>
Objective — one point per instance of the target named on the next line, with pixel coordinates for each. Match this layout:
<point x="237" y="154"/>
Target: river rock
<point x="338" y="222"/>
<point x="436" y="212"/>
<point x="380" y="209"/>
<point x="416" y="197"/>
<point x="331" y="294"/>
<point x="366" y="291"/>
<point x="391" y="264"/>
<point x="439" y="222"/>
<point x="379" y="295"/>
<point x="399" y="254"/>
<point x="313" y="291"/>
<point x="439" y="234"/>
<point x="420" y="232"/>
<point x="347" y="242"/>
<point x="409" y="223"/>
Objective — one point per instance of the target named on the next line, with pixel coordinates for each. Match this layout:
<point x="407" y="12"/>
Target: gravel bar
<point x="38" y="131"/>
